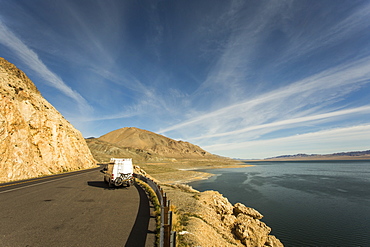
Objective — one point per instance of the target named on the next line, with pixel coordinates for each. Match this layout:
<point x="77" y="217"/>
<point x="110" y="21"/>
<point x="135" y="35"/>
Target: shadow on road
<point x="139" y="231"/>
<point x="103" y="185"/>
<point x="99" y="184"/>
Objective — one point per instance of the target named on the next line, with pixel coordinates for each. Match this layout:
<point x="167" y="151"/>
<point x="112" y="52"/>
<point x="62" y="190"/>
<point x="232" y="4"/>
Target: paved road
<point x="77" y="210"/>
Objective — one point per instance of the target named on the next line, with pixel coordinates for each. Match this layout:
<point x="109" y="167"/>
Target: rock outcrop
<point x="35" y="139"/>
<point x="211" y="220"/>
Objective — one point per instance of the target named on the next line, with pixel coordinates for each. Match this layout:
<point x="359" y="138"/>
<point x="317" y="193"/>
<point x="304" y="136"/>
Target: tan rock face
<point x="214" y="221"/>
<point x="35" y="139"/>
<point x="236" y="223"/>
<point x="240" y="208"/>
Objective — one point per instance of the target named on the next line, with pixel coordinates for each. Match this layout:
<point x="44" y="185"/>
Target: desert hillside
<point x="154" y="143"/>
<point x="103" y="151"/>
<point x="35" y="139"/>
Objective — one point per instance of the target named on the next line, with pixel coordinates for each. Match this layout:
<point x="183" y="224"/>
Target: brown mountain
<point x="152" y="145"/>
<point x="103" y="151"/>
<point x="35" y="139"/>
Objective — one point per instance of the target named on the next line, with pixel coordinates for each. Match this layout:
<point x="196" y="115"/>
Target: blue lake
<point x="323" y="203"/>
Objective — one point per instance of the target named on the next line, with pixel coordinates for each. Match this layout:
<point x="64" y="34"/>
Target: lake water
<point x="305" y="203"/>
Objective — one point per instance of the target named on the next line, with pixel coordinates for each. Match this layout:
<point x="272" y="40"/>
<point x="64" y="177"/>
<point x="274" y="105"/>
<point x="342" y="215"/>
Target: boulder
<point x="251" y="232"/>
<point x="240" y="208"/>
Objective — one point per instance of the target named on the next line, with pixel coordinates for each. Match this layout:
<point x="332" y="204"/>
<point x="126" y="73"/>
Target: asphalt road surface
<point x="77" y="209"/>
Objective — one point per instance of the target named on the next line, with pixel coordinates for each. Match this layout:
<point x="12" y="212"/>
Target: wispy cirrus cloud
<point x="230" y="73"/>
<point x="318" y="34"/>
<point x="31" y="59"/>
<point x="330" y="116"/>
<point x="225" y="73"/>
<point x="231" y="76"/>
<point x="314" y="92"/>
<point x="319" y="142"/>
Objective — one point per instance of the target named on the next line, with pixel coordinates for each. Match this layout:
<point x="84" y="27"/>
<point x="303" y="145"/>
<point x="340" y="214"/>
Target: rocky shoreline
<point x="208" y="218"/>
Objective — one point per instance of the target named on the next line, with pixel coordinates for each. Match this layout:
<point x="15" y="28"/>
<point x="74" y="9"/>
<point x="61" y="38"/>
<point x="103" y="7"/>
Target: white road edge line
<point x="49" y="181"/>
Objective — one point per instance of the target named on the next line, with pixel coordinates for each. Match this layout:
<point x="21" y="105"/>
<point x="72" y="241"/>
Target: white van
<point x="118" y="172"/>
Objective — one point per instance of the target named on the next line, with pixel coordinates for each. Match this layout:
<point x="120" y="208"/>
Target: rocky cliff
<point x="35" y="139"/>
<point x="209" y="219"/>
<point x="154" y="143"/>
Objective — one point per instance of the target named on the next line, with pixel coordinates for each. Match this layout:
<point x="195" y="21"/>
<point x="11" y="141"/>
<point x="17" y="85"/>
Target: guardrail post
<point x="164" y="200"/>
<point x="161" y="237"/>
<point x="167" y="235"/>
<point x="173" y="239"/>
<point x="170" y="219"/>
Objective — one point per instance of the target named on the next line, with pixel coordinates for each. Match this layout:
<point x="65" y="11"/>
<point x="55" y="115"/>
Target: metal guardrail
<point x="167" y="236"/>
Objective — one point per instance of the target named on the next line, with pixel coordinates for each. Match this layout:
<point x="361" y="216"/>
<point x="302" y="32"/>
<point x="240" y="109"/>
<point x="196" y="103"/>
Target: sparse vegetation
<point x="157" y="206"/>
<point x="184" y="187"/>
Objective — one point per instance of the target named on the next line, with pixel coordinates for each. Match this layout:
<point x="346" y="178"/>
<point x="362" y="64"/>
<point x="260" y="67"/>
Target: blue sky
<point x="242" y="79"/>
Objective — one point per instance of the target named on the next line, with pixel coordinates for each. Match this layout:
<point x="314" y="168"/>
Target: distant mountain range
<point x="334" y="156"/>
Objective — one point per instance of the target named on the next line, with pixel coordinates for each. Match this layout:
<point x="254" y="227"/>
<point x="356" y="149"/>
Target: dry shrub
<point x="184" y="187"/>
